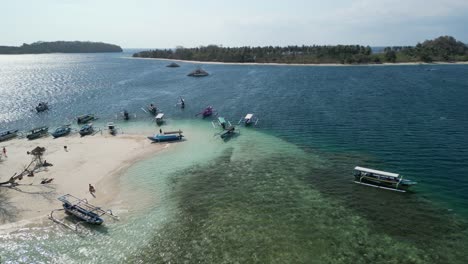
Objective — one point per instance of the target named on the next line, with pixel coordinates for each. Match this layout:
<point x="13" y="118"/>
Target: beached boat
<point x="208" y="111"/>
<point x="248" y="120"/>
<point x="167" y="136"/>
<point x="9" y="134"/>
<point x="381" y="179"/>
<point x="82" y="210"/>
<point x="37" y="132"/>
<point x="173" y="65"/>
<point x="41" y="107"/>
<point x="112" y="129"/>
<point x="198" y="72"/>
<point x="85" y="118"/>
<point x="86" y="130"/>
<point x="159" y="118"/>
<point x="61" y="131"/>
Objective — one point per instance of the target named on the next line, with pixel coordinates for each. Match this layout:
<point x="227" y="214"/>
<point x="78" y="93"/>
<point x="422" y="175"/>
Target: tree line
<point x="61" y="47"/>
<point x="444" y="48"/>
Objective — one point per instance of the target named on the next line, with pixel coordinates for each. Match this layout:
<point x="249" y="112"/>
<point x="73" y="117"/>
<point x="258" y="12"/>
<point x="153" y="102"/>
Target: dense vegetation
<point x="444" y="48"/>
<point x="60" y="47"/>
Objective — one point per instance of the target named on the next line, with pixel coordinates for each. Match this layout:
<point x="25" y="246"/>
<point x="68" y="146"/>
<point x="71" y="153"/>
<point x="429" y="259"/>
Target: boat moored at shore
<point x="9" y="134"/>
<point x="87" y="129"/>
<point x="61" y="131"/>
<point x="37" y="132"/>
<point x="381" y="179"/>
<point x="167" y="136"/>
<point x="248" y="120"/>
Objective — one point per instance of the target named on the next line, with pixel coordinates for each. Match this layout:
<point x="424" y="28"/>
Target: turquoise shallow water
<point x="281" y="192"/>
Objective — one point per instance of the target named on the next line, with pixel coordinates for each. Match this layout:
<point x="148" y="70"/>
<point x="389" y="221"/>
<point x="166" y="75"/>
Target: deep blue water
<point x="411" y="120"/>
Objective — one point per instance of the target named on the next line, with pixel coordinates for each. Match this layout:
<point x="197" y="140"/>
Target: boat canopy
<point x="221" y="120"/>
<point x="248" y="116"/>
<point x="383" y="173"/>
<point x="160" y="116"/>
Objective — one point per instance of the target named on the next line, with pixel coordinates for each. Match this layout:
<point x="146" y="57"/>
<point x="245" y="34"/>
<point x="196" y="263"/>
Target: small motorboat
<point x="9" y="134"/>
<point x="198" y="72"/>
<point x="248" y="120"/>
<point x="61" y="131"/>
<point x="85" y="118"/>
<point x="208" y="111"/>
<point x="159" y="118"/>
<point x="41" y="107"/>
<point x="152" y="109"/>
<point x="173" y="65"/>
<point x="37" y="132"/>
<point x="167" y="136"/>
<point x="86" y="130"/>
<point x="381" y="179"/>
<point x="112" y="129"/>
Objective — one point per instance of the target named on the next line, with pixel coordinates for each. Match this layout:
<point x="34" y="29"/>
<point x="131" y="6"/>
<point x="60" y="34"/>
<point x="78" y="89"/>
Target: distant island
<point x="441" y="49"/>
<point x="61" y="47"/>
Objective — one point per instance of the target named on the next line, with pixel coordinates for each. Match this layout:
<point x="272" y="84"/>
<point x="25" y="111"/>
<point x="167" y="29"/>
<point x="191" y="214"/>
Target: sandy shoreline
<point x="310" y="65"/>
<point x="98" y="160"/>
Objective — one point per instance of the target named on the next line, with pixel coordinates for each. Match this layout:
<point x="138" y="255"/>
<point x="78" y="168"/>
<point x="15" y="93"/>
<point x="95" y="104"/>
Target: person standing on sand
<point x="4" y="152"/>
<point x="91" y="189"/>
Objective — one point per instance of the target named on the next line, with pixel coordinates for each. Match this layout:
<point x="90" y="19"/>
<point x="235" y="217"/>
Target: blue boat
<point x="167" y="137"/>
<point x="86" y="130"/>
<point x="61" y="131"/>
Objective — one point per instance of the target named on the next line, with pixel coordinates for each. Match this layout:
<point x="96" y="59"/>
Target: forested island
<point x="441" y="49"/>
<point x="61" y="47"/>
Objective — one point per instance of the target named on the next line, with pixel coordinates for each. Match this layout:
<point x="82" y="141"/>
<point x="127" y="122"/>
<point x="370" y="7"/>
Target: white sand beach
<point x="98" y="160"/>
<point x="309" y="64"/>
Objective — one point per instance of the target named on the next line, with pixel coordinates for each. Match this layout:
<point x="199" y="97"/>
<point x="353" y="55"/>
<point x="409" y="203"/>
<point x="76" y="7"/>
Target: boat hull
<point x="8" y="135"/>
<point x="165" y="138"/>
<point x="80" y="213"/>
<point x="396" y="185"/>
<point x="85" y="119"/>
<point x="61" y="133"/>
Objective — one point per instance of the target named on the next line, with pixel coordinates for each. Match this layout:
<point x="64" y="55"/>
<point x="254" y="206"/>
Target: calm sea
<point x="281" y="192"/>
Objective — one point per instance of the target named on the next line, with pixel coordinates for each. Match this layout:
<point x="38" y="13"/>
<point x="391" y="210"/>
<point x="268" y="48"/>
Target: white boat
<point x="381" y="179"/>
<point x="159" y="118"/>
<point x="249" y="119"/>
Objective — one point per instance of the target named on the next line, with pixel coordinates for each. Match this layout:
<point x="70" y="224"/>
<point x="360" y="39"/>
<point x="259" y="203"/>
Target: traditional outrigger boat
<point x="159" y="119"/>
<point x="9" y="134"/>
<point x="37" y="132"/>
<point x="82" y="210"/>
<point x="85" y="118"/>
<point x="248" y="120"/>
<point x="228" y="132"/>
<point x="198" y="72"/>
<point x="208" y="111"/>
<point x="167" y="136"/>
<point x="381" y="179"/>
<point x="152" y="109"/>
<point x="61" y="131"/>
<point x="87" y="129"/>
<point x="41" y="107"/>
<point x="112" y="128"/>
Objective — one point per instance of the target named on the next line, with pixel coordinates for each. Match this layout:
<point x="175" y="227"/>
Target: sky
<point x="171" y="23"/>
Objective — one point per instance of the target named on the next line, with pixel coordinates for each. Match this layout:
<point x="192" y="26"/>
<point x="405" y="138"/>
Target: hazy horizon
<point x="167" y="24"/>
